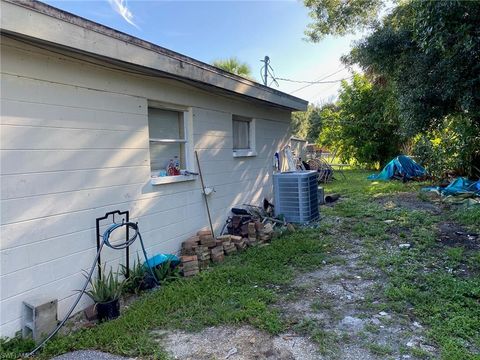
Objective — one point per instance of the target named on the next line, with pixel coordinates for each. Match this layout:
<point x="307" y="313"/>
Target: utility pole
<point x="266" y="60"/>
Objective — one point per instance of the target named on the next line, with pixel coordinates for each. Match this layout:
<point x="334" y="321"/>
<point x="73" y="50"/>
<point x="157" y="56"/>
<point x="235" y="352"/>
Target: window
<point x="243" y="136"/>
<point x="168" y="144"/>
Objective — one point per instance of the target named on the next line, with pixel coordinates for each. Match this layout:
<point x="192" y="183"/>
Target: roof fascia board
<point x="37" y="20"/>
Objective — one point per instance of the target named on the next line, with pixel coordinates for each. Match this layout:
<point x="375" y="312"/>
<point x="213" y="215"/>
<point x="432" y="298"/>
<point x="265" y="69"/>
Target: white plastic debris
<point x="231" y="352"/>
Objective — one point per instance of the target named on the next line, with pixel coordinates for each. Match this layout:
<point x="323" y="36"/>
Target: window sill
<point x="244" y="153"/>
<point x="161" y="180"/>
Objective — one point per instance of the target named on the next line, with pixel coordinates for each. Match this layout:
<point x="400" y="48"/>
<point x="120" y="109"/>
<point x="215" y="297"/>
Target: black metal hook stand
<point x="99" y="237"/>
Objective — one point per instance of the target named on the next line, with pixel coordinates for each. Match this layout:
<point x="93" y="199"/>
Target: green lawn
<point x="435" y="284"/>
<point x="236" y="292"/>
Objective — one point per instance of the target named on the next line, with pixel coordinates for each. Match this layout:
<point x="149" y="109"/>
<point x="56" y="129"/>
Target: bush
<point x="452" y="147"/>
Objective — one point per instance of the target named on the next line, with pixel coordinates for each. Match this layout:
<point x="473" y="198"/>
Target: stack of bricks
<point x="190" y="245"/>
<point x="240" y="243"/>
<point x="264" y="232"/>
<point x="252" y="234"/>
<point x="216" y="254"/>
<point x="203" y="254"/>
<point x="229" y="247"/>
<point x="200" y="249"/>
<point x="190" y="265"/>
<point x="206" y="238"/>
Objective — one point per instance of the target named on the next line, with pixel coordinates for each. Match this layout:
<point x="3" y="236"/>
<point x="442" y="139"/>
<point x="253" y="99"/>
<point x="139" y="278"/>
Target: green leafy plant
<point x="165" y="272"/>
<point x="15" y="347"/>
<point x="105" y="289"/>
<point x="133" y="283"/>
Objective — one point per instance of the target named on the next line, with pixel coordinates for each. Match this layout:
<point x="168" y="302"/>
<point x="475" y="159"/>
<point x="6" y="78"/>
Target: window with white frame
<point x="243" y="136"/>
<point x="168" y="135"/>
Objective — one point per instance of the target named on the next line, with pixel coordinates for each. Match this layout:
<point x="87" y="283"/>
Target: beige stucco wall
<point x="74" y="145"/>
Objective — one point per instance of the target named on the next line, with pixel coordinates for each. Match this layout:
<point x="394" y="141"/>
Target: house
<point x="90" y="119"/>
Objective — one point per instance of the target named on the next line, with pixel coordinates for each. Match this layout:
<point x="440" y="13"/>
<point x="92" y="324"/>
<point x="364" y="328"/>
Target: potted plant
<point x="105" y="292"/>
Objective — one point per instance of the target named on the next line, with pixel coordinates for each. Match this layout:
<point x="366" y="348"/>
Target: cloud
<point x="120" y="7"/>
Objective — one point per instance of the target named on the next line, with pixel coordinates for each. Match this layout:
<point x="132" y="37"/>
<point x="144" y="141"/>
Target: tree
<point x="307" y="124"/>
<point x="429" y="51"/>
<point x="365" y="128"/>
<point x="339" y="17"/>
<point x="234" y="66"/>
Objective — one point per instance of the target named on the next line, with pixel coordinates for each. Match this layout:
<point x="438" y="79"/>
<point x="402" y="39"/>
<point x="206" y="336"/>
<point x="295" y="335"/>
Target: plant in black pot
<point x="105" y="292"/>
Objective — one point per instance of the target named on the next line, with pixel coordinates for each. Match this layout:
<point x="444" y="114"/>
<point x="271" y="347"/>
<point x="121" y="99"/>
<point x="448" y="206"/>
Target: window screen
<point x="241" y="133"/>
<point x="167" y="138"/>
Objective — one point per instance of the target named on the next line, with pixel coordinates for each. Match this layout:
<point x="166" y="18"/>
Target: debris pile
<point x="244" y="229"/>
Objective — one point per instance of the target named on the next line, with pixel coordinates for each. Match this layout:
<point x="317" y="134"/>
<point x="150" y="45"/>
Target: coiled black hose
<point x="105" y="241"/>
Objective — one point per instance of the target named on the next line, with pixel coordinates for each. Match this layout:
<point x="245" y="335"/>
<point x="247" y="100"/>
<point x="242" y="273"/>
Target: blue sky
<point x="249" y="30"/>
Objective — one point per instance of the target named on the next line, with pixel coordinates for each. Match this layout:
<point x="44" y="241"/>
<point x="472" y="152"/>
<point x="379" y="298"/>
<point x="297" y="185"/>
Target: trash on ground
<point x="401" y="168"/>
<point x="460" y="190"/>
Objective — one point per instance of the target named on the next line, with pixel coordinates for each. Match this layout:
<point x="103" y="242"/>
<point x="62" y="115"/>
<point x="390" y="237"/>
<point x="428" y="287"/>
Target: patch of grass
<point x="381" y="350"/>
<point x="15" y="347"/>
<point x="468" y="217"/>
<point x="321" y="305"/>
<point x="420" y="353"/>
<point x="455" y="255"/>
<point x="235" y="292"/>
<point x="371" y="328"/>
<point x="327" y="341"/>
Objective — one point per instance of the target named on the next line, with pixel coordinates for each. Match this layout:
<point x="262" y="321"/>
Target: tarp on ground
<point x="459" y="186"/>
<point x="402" y="167"/>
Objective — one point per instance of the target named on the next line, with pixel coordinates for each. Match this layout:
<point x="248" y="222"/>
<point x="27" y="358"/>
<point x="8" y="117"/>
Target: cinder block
<point x="39" y="318"/>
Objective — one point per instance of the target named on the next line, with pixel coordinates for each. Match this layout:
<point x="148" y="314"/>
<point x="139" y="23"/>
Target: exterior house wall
<point x="74" y="145"/>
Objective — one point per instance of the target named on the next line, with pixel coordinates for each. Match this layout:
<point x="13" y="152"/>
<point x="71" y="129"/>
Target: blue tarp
<point x="459" y="186"/>
<point x="162" y="258"/>
<point x="402" y="167"/>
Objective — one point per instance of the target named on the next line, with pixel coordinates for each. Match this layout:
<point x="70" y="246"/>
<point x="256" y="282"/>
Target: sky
<point x="248" y="30"/>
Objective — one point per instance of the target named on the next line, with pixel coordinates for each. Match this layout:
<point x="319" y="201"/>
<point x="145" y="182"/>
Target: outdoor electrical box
<point x="296" y="196"/>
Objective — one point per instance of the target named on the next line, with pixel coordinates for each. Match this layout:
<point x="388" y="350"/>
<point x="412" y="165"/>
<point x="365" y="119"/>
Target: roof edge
<point x="155" y="56"/>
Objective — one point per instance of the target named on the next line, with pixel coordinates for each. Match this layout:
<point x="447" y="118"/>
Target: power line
<point x="319" y="80"/>
<point x="312" y="82"/>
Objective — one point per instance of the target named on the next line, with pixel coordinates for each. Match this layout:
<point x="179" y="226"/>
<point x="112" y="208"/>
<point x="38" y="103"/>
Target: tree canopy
<point x="430" y="50"/>
<point x="423" y="59"/>
<point x="339" y="17"/>
<point x="234" y="66"/>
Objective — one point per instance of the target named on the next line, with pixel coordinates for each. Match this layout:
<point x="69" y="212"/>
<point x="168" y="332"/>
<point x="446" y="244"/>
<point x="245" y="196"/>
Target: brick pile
<point x="190" y="265"/>
<point x="201" y="249"/>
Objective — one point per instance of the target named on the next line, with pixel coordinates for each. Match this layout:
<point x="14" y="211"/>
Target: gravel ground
<point x="236" y="344"/>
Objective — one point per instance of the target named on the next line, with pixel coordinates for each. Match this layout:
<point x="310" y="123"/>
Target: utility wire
<point x="319" y="80"/>
<point x="312" y="82"/>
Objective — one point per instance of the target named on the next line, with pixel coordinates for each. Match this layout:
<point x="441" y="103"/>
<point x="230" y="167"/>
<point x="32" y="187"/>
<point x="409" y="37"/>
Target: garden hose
<point x="105" y="241"/>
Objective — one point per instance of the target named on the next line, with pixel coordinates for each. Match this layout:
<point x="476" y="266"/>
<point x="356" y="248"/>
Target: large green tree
<point x="365" y="126"/>
<point x="339" y="17"/>
<point x="307" y="124"/>
<point x="429" y="51"/>
<point x="234" y="66"/>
